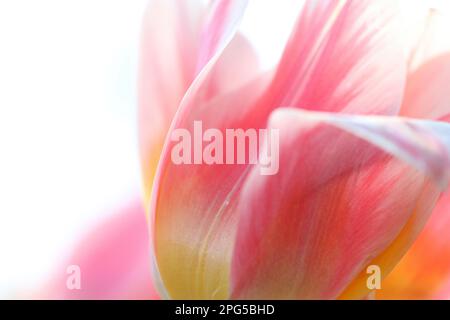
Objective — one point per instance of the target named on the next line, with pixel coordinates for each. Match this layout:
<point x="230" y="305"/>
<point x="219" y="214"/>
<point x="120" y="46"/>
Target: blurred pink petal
<point x="179" y="38"/>
<point x="114" y="260"/>
<point x="429" y="72"/>
<point x="345" y="199"/>
<point x="427" y="91"/>
<point x="220" y="27"/>
<point x="338" y="61"/>
<point x="431" y="37"/>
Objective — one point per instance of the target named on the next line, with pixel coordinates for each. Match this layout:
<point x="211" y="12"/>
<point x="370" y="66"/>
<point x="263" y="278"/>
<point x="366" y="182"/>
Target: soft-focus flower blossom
<point x="358" y="175"/>
<point x="113" y="260"/>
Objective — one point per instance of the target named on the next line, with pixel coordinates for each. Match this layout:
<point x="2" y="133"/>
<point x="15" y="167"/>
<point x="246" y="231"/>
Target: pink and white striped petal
<point x="179" y="39"/>
<point x="351" y="191"/>
<point x="343" y="56"/>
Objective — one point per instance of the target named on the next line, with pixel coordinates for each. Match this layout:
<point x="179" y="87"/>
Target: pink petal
<point x="428" y="90"/>
<point x="343" y="56"/>
<point x="428" y="81"/>
<point x="351" y="191"/>
<point x="220" y="26"/>
<point x="179" y="38"/>
<point x="114" y="261"/>
<point x="167" y="68"/>
<point x="411" y="140"/>
<point x="431" y="38"/>
<point x="193" y="215"/>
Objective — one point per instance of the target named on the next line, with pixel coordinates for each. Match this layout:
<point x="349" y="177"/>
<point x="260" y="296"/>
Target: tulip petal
<point x="351" y="191"/>
<point x="427" y="86"/>
<point x="193" y="219"/>
<point x="220" y="26"/>
<point x="431" y="39"/>
<point x="428" y="90"/>
<point x="425" y="269"/>
<point x="114" y="261"/>
<point x="334" y="55"/>
<point x="411" y="140"/>
<point x="171" y="60"/>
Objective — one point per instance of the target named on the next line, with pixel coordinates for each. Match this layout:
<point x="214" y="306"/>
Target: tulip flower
<point x="364" y="152"/>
